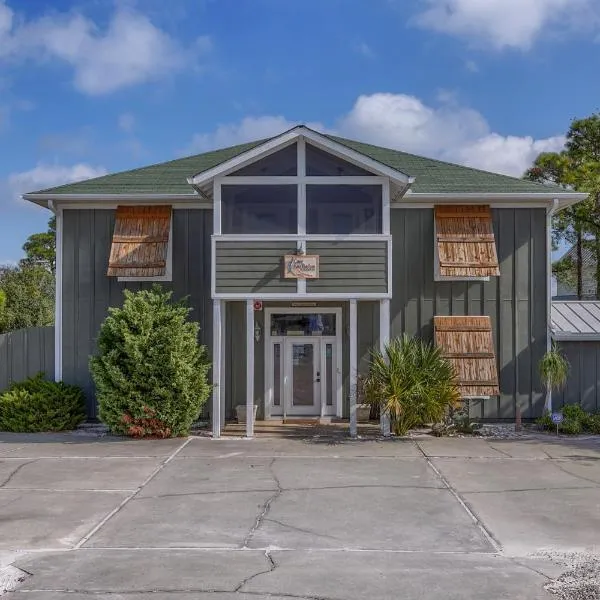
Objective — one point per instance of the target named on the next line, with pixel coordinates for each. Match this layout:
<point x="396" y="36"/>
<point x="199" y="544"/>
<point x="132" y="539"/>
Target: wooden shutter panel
<point x="468" y="343"/>
<point x="140" y="241"/>
<point x="465" y="241"/>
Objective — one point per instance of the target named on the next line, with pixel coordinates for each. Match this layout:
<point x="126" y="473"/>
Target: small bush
<point x="150" y="372"/>
<point x="575" y="421"/>
<point x="37" y="405"/>
<point x="412" y="382"/>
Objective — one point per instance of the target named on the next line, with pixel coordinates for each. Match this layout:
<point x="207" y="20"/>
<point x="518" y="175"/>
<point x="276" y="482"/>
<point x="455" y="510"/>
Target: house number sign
<point x="301" y="267"/>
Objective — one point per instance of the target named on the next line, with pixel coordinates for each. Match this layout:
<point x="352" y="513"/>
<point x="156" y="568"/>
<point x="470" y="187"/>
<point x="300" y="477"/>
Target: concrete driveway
<point x="313" y="519"/>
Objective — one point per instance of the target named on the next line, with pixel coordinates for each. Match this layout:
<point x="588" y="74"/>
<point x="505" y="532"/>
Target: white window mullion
<point x="217" y="208"/>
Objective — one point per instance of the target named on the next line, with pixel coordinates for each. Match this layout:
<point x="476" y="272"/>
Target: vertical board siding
<point x="88" y="292"/>
<point x="583" y="384"/>
<point x="25" y="353"/>
<point x="515" y="301"/>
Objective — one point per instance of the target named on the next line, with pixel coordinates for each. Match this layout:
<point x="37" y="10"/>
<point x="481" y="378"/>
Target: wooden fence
<point x="24" y="353"/>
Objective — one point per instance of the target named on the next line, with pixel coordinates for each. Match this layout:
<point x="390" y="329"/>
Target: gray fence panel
<point x="25" y="353"/>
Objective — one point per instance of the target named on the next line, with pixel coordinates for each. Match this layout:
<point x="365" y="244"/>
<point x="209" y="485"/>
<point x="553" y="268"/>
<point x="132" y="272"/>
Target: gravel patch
<point x="10" y="578"/>
<point x="581" y="580"/>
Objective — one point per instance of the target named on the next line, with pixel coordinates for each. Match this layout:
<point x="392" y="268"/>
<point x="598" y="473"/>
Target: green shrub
<point x="150" y="372"/>
<point x="576" y="421"/>
<point x="412" y="382"/>
<point x="38" y="405"/>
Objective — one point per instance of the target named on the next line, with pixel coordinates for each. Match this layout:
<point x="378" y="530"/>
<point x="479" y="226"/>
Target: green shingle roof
<point x="432" y="176"/>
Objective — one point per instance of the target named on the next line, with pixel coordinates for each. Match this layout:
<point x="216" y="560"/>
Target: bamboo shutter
<point x="468" y="343"/>
<point x="140" y="241"/>
<point x="465" y="241"/>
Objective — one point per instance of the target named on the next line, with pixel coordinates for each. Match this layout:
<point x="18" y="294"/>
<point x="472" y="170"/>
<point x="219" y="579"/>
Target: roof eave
<point x="575" y="337"/>
<point x="564" y="199"/>
<point x="43" y="199"/>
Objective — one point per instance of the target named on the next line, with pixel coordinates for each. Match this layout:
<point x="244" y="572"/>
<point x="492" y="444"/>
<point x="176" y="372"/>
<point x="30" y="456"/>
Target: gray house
<point x="302" y="252"/>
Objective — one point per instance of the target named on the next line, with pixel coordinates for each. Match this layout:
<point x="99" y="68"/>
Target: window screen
<point x="259" y="209"/>
<point x="343" y="209"/>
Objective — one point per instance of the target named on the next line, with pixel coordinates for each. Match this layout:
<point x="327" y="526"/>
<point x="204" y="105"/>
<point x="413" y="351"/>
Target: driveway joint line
<point x="479" y="523"/>
<point x="266" y="506"/>
<point x="131" y="496"/>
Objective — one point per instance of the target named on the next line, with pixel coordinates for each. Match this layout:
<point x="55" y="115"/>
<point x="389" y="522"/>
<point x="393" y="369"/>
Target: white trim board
<point x="268" y="351"/>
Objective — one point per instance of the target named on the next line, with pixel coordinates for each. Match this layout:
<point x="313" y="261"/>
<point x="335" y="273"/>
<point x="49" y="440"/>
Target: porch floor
<point x="305" y="427"/>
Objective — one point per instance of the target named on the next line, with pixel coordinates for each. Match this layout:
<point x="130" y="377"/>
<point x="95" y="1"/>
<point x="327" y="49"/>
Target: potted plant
<point x="240" y="411"/>
<point x="554" y="371"/>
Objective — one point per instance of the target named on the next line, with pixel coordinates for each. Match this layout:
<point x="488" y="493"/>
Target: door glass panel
<point x="303" y="374"/>
<point x="306" y="324"/>
<point x="277" y="374"/>
<point x="329" y="374"/>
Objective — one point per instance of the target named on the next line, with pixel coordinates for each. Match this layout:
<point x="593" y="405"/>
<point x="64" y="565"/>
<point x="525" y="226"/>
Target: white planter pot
<point x="363" y="412"/>
<point x="240" y="411"/>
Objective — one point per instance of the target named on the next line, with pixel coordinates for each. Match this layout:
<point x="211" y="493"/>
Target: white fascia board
<point x="289" y="137"/>
<point x="60" y="199"/>
<point x="521" y="198"/>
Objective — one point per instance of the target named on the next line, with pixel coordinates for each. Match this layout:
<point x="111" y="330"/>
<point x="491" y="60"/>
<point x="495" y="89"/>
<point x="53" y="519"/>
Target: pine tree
<point x="150" y="372"/>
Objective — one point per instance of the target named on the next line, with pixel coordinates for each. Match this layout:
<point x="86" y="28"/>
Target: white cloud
<point x="129" y="51"/>
<point x="44" y="176"/>
<point x="507" y="23"/>
<point x="126" y="122"/>
<point x="247" y="130"/>
<point x="447" y="131"/>
<point x="365" y="50"/>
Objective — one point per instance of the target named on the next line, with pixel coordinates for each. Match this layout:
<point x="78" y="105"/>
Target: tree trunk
<point x="579" y="265"/>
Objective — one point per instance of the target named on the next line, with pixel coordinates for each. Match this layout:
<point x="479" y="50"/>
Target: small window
<point x="318" y="324"/>
<point x="284" y="162"/>
<point x="251" y="209"/>
<point x="465" y="247"/>
<point x="142" y="244"/>
<point x="323" y="164"/>
<point x="343" y="209"/>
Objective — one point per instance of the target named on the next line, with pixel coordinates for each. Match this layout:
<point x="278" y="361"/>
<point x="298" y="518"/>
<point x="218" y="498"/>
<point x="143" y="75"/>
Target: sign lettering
<point x="300" y="267"/>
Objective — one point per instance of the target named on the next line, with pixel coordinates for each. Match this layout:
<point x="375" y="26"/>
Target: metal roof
<point x="575" y="320"/>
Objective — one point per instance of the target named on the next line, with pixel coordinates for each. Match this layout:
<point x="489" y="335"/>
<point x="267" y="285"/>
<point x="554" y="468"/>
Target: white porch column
<point x="384" y="338"/>
<point x="249" y="368"/>
<point x="353" y="366"/>
<point x="217" y="354"/>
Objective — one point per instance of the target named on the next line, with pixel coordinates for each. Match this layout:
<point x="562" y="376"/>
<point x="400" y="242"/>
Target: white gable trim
<point x="289" y="137"/>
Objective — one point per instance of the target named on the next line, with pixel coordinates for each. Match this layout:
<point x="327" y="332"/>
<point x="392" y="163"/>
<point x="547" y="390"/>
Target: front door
<point x="302" y="395"/>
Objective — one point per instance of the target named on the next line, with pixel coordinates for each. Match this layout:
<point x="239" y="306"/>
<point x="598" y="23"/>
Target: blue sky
<point x="95" y="86"/>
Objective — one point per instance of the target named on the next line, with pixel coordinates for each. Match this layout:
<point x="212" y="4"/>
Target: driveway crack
<point x="272" y="565"/>
<point x="15" y="471"/>
<point x="266" y="507"/>
<point x="583" y="478"/>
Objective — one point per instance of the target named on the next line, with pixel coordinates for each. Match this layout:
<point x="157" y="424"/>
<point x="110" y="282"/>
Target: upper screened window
<point x="322" y="164"/>
<point x="284" y="162"/>
<point x="259" y="209"/>
<point x="343" y="209"/>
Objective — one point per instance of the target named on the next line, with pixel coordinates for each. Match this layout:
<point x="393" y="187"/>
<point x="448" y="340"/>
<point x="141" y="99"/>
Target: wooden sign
<point x="300" y="266"/>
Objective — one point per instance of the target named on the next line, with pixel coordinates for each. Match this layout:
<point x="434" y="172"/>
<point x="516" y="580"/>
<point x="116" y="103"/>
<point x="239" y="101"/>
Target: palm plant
<point x="554" y="371"/>
<point x="412" y="382"/>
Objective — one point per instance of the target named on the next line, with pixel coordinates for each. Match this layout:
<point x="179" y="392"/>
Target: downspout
<point x="549" y="214"/>
<point x="57" y="291"/>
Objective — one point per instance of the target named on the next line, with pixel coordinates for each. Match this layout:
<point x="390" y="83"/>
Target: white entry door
<point x="302" y="394"/>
